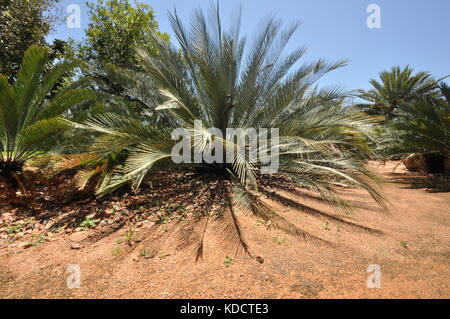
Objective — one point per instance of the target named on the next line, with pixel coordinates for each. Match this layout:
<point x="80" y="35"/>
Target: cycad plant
<point x="30" y="110"/>
<point x="132" y="98"/>
<point x="397" y="86"/>
<point x="424" y="127"/>
<point x="223" y="81"/>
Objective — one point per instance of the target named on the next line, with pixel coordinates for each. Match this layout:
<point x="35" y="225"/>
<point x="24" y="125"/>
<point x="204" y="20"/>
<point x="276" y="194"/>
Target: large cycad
<point x="30" y="110"/>
<point x="220" y="79"/>
<point x="424" y="126"/>
<point x="395" y="87"/>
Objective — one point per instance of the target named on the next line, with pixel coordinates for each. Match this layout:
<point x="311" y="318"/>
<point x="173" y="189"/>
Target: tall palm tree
<point x="30" y="110"/>
<point x="225" y="82"/>
<point x="395" y="87"/>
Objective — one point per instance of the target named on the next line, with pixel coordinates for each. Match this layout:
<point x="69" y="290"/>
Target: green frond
<point x="225" y="81"/>
<point x="30" y="109"/>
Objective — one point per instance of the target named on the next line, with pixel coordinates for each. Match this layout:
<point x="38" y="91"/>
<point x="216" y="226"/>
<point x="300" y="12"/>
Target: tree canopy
<point x="116" y="28"/>
<point x="22" y="23"/>
<point x="396" y="86"/>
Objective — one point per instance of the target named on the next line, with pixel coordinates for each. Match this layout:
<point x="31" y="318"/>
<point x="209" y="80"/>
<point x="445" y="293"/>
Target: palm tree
<point x="395" y="87"/>
<point x="30" y="110"/>
<point x="424" y="127"/>
<point x="223" y="82"/>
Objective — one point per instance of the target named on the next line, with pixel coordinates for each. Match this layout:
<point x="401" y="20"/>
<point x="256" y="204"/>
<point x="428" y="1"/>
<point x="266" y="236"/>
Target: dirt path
<point x="411" y="245"/>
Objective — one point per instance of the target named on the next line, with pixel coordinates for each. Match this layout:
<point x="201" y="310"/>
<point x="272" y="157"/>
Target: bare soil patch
<point x="126" y="247"/>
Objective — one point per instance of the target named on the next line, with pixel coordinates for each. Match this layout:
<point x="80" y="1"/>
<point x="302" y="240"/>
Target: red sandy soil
<point x="410" y="243"/>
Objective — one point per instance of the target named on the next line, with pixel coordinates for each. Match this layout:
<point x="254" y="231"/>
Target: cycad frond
<point x="31" y="107"/>
<point x="221" y="82"/>
<point x="395" y="87"/>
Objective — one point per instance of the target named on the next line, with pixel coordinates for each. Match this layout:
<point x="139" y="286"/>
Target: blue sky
<point x="413" y="32"/>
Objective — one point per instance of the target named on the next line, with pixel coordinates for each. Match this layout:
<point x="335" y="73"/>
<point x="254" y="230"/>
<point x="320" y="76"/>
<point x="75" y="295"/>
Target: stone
<point x="75" y="246"/>
<point x="24" y="245"/>
<point x="48" y="226"/>
<point x="415" y="163"/>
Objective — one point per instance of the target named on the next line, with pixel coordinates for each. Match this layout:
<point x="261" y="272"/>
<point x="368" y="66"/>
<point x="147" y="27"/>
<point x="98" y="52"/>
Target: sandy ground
<point x="410" y="243"/>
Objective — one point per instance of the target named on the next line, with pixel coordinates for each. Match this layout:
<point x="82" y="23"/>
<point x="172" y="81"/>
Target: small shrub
<point x="88" y="222"/>
<point x="38" y="239"/>
<point x="128" y="237"/>
<point x="14" y="228"/>
<point x="228" y="261"/>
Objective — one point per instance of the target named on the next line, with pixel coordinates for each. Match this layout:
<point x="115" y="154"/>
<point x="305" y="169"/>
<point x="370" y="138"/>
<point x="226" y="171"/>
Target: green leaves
<point x="116" y="28"/>
<point x="395" y="87"/>
<point x="262" y="90"/>
<point x="22" y="24"/>
<point x="29" y="118"/>
<point x="424" y="126"/>
<point x="415" y="107"/>
<point x="322" y="144"/>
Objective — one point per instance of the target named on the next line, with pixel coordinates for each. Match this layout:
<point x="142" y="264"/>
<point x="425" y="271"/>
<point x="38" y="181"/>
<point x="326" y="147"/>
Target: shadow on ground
<point x="430" y="183"/>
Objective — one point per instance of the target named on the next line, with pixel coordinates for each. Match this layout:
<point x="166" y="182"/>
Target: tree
<point x="423" y="126"/>
<point x="22" y="23"/>
<point x="397" y="86"/>
<point x="321" y="144"/>
<point x="116" y="28"/>
<point x="30" y="110"/>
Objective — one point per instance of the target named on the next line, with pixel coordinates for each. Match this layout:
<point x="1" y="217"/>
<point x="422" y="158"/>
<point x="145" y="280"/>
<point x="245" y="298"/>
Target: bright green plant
<point x="425" y="125"/>
<point x="395" y="87"/>
<point x="421" y="126"/>
<point x="14" y="228"/>
<point x="116" y="27"/>
<point x="30" y="110"/>
<point x="22" y="24"/>
<point x="228" y="261"/>
<point x="88" y="222"/>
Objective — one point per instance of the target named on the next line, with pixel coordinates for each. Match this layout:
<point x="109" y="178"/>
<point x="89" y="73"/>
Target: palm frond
<point x="30" y="109"/>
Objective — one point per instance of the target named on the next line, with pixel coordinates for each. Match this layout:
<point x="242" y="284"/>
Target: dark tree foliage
<point x="22" y="24"/>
